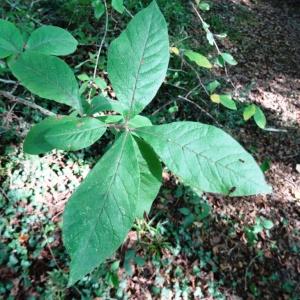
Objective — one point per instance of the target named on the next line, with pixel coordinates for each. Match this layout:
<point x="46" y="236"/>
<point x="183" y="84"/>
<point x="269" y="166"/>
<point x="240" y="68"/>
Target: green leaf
<point x="52" y="40"/>
<point x="229" y="59"/>
<point x="48" y="77"/>
<point x="204" y="6"/>
<point x="212" y="86"/>
<point x="101" y="103"/>
<point x="100" y="82"/>
<point x="139" y="121"/>
<point x="138" y="59"/>
<point x="99" y="8"/>
<point x="71" y="133"/>
<point x="35" y="142"/>
<point x="118" y="5"/>
<point x="100" y="213"/>
<point x="11" y="41"/>
<point x="227" y="101"/>
<point x="83" y="77"/>
<point x="198" y="58"/>
<point x="249" y="112"/>
<point x="151" y="176"/>
<point x="206" y="158"/>
<point x="259" y="118"/>
<point x="267" y="224"/>
<point x="210" y="38"/>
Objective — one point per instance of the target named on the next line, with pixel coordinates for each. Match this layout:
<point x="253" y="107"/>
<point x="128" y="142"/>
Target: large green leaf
<point x="206" y="158"/>
<point x="71" y="133"/>
<point x="11" y="41"/>
<point x="151" y="176"/>
<point x="102" y="210"/>
<point x="138" y="59"/>
<point x="48" y="77"/>
<point x="35" y="142"/>
<point x="52" y="40"/>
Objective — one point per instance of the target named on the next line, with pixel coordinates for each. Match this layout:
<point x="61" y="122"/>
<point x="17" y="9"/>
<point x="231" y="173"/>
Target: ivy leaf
<point x="151" y="176"/>
<point x="11" y="41"/>
<point x="206" y="158"/>
<point x="48" y="77"/>
<point x="138" y="59"/>
<point x="259" y="118"/>
<point x="229" y="59"/>
<point x="198" y="58"/>
<point x="226" y="100"/>
<point x="249" y="112"/>
<point x="52" y="40"/>
<point x="100" y="213"/>
<point x="35" y="142"/>
<point x="71" y="133"/>
<point x="101" y="103"/>
<point x="118" y="5"/>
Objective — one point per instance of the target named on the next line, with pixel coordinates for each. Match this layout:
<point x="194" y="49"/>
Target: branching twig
<point x="16" y="99"/>
<point x="100" y="48"/>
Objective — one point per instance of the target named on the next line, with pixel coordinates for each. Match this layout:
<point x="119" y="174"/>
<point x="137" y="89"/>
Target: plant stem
<point x="100" y="48"/>
<point x="16" y="99"/>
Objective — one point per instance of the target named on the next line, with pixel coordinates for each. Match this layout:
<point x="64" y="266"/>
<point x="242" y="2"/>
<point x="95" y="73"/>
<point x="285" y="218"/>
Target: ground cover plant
<point x="124" y="182"/>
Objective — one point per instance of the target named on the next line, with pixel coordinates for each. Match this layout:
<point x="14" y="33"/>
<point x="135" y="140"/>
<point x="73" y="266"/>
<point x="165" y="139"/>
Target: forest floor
<point x="189" y="247"/>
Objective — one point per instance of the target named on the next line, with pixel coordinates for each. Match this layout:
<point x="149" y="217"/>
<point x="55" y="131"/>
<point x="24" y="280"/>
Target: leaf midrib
<point x="200" y="154"/>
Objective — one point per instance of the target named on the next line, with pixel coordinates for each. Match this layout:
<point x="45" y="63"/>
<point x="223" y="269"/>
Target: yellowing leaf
<point x="215" y="98"/>
<point x="249" y="112"/>
<point x="174" y="50"/>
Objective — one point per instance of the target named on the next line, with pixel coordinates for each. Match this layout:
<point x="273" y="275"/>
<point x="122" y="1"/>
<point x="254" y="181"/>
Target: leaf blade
<point x="150" y="176"/>
<point x="138" y="59"/>
<point x="48" y="77"/>
<point x="110" y="193"/>
<point x="206" y="158"/>
<point x="11" y="40"/>
<point x="72" y="134"/>
<point x="52" y="40"/>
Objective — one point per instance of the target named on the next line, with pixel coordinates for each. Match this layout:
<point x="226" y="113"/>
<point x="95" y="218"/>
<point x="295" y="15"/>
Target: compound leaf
<point x="71" y="133"/>
<point x="138" y="59"/>
<point x="52" y="40"/>
<point x="206" y="158"/>
<point x="48" y="77"/>
<point x="102" y="210"/>
<point x="11" y="41"/>
<point x="151" y="176"/>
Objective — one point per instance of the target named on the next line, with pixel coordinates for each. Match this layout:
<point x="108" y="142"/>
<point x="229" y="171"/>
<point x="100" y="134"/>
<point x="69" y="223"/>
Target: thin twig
<point x="6" y="81"/>
<point x="16" y="99"/>
<point x="197" y="75"/>
<point x="200" y="108"/>
<point x="215" y="43"/>
<point x="100" y="48"/>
